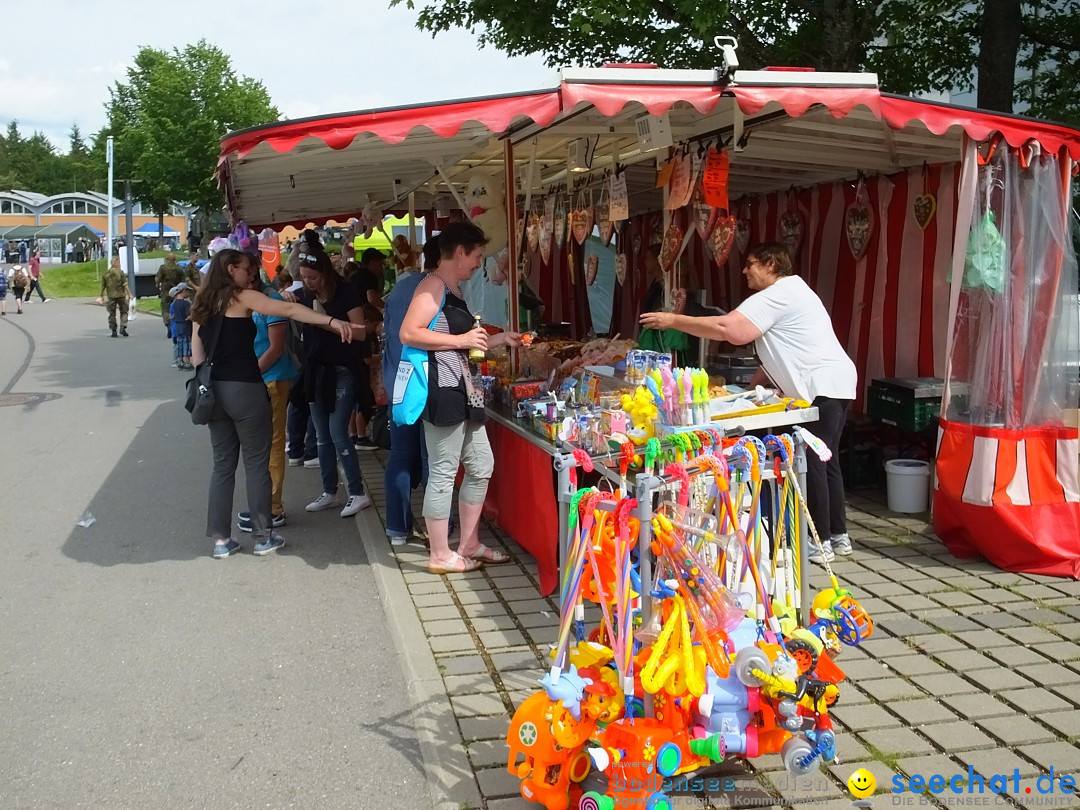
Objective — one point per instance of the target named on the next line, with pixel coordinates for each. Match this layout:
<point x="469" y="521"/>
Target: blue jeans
<point x="332" y="432"/>
<point x="301" y="434"/>
<point x="405" y="471"/>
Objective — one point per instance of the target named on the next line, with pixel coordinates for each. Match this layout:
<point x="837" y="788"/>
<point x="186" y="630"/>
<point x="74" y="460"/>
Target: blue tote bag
<point x="411" y="383"/>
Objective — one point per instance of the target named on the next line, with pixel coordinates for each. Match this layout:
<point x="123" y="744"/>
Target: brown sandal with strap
<point x="467" y="564"/>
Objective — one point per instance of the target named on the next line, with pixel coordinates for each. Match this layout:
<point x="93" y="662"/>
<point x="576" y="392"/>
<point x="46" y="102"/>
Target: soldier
<point x="191" y="273"/>
<point x="168" y="276"/>
<point x="115" y="294"/>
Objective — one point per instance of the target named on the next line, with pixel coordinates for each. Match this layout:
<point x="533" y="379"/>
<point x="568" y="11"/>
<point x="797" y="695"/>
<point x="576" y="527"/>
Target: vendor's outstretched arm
<point x="734" y="327"/>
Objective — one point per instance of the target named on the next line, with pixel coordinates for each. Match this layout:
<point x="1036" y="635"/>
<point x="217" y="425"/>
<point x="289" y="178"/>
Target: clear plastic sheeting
<point x="1016" y="336"/>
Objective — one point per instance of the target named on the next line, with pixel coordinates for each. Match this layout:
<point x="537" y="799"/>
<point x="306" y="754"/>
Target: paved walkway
<point x="968" y="666"/>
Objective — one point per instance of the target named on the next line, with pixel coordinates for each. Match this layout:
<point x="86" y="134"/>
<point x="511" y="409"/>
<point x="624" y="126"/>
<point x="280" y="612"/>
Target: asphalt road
<point x="136" y="671"/>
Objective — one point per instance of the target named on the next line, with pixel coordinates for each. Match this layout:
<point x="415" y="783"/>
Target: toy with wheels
<point x="637" y="756"/>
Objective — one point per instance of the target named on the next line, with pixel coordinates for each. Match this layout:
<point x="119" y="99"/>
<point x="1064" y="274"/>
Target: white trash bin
<point x="908" y="485"/>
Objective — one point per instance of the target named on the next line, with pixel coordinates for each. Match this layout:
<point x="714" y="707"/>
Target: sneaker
<point x="841" y="544"/>
<point x="244" y="521"/>
<point x="817" y="558"/>
<point x="324" y="501"/>
<point x="311" y="463"/>
<point x="223" y="550"/>
<point x="364" y="443"/>
<point x="355" y="504"/>
<point x="45" y="300"/>
<point x="398" y="539"/>
<point x="295" y="462"/>
<point x="175" y="363"/>
<point x="270" y="544"/>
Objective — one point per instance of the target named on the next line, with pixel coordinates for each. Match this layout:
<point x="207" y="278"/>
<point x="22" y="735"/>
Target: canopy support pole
<point x="457" y="194"/>
<point x="512" y="234"/>
<point x="412" y="219"/>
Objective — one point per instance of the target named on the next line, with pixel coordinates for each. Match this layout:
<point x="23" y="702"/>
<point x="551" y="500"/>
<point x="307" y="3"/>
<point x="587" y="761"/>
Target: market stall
<point x="867" y="189"/>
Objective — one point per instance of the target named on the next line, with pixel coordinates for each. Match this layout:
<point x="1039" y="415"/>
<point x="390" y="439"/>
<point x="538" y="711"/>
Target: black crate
<point x="911" y="404"/>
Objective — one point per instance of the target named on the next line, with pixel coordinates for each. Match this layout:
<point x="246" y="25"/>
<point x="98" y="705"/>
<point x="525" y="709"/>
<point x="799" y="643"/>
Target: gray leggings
<point x="448" y="447"/>
<point x="241" y="421"/>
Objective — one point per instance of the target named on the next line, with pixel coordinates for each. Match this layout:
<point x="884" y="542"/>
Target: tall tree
<point x="168" y="119"/>
<point x="914" y="45"/>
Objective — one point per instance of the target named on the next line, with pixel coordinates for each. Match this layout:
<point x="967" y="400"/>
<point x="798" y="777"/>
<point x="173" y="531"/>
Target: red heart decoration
<point x="581" y="224"/>
<point x="859" y="227"/>
<point x="607" y="227"/>
<point x="592" y="266"/>
<point x="547" y="232"/>
<point x="620" y="268"/>
<point x="532" y="233"/>
<point x="669" y="248"/>
<point x="723" y="238"/>
<point x="925" y="206"/>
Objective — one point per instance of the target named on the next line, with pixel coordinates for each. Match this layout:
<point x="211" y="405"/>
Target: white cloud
<point x="313" y="58"/>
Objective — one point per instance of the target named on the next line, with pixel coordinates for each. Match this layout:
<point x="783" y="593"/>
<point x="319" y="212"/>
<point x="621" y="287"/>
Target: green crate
<point x="896" y="406"/>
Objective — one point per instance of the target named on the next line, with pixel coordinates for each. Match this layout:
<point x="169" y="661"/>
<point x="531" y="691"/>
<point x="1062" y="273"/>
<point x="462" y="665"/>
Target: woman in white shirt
<point x="794" y="339"/>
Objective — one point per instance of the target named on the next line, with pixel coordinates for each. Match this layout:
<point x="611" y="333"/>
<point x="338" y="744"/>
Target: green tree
<point x="168" y="119"/>
<point x="914" y="45"/>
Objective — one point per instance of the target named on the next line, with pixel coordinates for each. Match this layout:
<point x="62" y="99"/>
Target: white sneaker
<point x="295" y="462"/>
<point x="324" y="501"/>
<point x="818" y="558"/>
<point x="312" y="464"/>
<point x="355" y="504"/>
<point x="841" y="544"/>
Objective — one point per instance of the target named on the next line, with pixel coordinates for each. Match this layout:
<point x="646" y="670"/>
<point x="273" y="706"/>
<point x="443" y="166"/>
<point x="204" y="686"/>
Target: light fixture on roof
<point x="581" y="153"/>
<point x="654" y="132"/>
<point x="729" y="62"/>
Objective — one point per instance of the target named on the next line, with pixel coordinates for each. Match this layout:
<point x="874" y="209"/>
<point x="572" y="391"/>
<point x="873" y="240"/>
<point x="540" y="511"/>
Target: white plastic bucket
<point x="908" y="485"/>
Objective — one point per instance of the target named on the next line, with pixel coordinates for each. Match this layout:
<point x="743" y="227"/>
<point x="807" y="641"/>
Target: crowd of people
<point x="21" y="283"/>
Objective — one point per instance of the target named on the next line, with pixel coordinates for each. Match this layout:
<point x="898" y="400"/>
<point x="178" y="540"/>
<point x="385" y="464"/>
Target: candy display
<point x="701" y="648"/>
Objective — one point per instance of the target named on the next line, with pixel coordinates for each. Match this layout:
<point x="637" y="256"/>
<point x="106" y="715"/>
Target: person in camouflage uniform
<point x="168" y="276"/>
<point x="115" y="294"/>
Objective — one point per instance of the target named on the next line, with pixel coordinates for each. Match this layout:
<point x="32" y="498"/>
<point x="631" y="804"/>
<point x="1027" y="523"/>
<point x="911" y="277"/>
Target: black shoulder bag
<point x="200" y="388"/>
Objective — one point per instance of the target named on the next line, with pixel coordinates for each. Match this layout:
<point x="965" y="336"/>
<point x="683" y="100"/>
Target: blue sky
<point x="314" y="57"/>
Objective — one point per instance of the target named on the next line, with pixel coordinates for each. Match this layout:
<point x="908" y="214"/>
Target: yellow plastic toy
<point x="675" y="666"/>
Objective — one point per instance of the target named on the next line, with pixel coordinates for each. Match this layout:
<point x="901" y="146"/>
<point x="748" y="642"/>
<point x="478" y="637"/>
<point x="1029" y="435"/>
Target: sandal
<point x="489" y="556"/>
<point x="451" y="567"/>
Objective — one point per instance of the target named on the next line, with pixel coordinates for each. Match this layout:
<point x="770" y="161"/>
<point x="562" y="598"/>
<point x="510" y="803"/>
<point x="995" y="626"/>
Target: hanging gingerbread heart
<point x="636" y="242"/>
<point x="532" y="233"/>
<point x="605" y="224"/>
<point x="859" y="222"/>
<point x="620" y="268"/>
<point x="791" y="230"/>
<point x="670" y="247"/>
<point x="742" y="229"/>
<point x="592" y="267"/>
<point x="547" y="233"/>
<point x="722" y="239"/>
<point x="705" y="219"/>
<point x="582" y="224"/>
<point x="925" y="206"/>
<point x="559" y="223"/>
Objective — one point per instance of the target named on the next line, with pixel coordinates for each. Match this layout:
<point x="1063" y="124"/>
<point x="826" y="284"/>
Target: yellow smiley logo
<point x="862" y="783"/>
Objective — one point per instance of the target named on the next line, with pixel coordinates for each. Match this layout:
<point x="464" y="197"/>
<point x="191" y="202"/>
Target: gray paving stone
<point x="990" y="761"/>
<point x="877" y="608"/>
<point x="444" y="627"/>
<point x="1067" y="723"/>
<point x="495" y="782"/>
<point x="944" y="684"/>
<point x="543" y="636"/>
<point x="485" y="624"/>
<point x="918" y="712"/>
<point x="479" y="610"/>
<point x="518" y="594"/>
<point x="431" y="614"/>
<point x="488" y="753"/>
<point x="1003" y="578"/>
<point x="1016" y="655"/>
<point x="1000" y="620"/>
<point x="983" y="639"/>
<point x="1035" y="700"/>
<point x="1069" y="587"/>
<point x="955" y="598"/>
<point x="915" y="665"/>
<point x="1044" y="616"/>
<point x="502" y="638"/>
<point x="978" y="705"/>
<point x="957" y="736"/>
<point x="1063" y="757"/>
<point x="897" y="741"/>
<point x="531" y="620"/>
<point x="1049" y="674"/>
<point x="882" y="589"/>
<point x="965" y="660"/>
<point x="953" y="623"/>
<point x="515" y="660"/>
<point x="504" y="584"/>
<point x="426" y="600"/>
<point x="533" y="606"/>
<point x="935" y="763"/>
<point x="885" y="647"/>
<point x="484" y="728"/>
<point x="443" y="644"/>
<point x="912" y="603"/>
<point x="468" y="684"/>
<point x="865" y="669"/>
<point x="864" y="718"/>
<point x="927" y="586"/>
<point x="1035" y="591"/>
<point x="1068" y="693"/>
<point x="477" y="597"/>
<point x="477" y="705"/>
<point x="423" y="587"/>
<point x="847" y="767"/>
<point x="852" y="694"/>
<point x="1058" y="651"/>
<point x="1017" y="730"/>
<point x="998" y="679"/>
<point x="935" y="643"/>
<point x="972" y="611"/>
<point x="904" y="626"/>
<point x="521" y="680"/>
<point x="816" y="786"/>
<point x="1031" y="635"/>
<point x="997" y="596"/>
<point x="1073" y="610"/>
<point x="451" y="666"/>
<point x="885" y="690"/>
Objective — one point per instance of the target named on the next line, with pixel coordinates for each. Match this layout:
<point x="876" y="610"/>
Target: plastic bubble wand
<point x="572" y="593"/>
<point x="624" y="579"/>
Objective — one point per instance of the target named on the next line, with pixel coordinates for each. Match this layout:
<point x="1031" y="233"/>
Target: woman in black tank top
<point x="224" y="336"/>
<point x="439" y="321"/>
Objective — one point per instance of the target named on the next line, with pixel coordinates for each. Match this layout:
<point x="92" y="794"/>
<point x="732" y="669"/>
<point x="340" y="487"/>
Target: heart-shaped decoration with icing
<point x="925" y="206"/>
<point x="705" y="218"/>
<point x="559" y="225"/>
<point x="669" y="248"/>
<point x="532" y="234"/>
<point x="547" y="232"/>
<point x="859" y="227"/>
<point x="592" y="267"/>
<point x="791" y="231"/>
<point x="722" y="239"/>
<point x="742" y="235"/>
<point x="620" y="268"/>
<point x="581" y="224"/>
<point x="604" y="223"/>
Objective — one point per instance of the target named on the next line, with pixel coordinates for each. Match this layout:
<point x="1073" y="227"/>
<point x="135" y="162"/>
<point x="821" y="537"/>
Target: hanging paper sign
<point x="560" y="225"/>
<point x="791" y="231"/>
<point x="592" y="267"/>
<point x="581" y="224"/>
<point x="859" y="222"/>
<point x="619" y="206"/>
<point x="670" y="247"/>
<point x="742" y="231"/>
<point x="722" y="239"/>
<point x="663" y="175"/>
<point x="681" y="186"/>
<point x="620" y="268"/>
<point x="714" y="181"/>
<point x="603" y="221"/>
<point x="925" y="206"/>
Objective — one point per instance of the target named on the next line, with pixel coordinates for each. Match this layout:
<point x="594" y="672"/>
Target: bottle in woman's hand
<point x="478" y="351"/>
